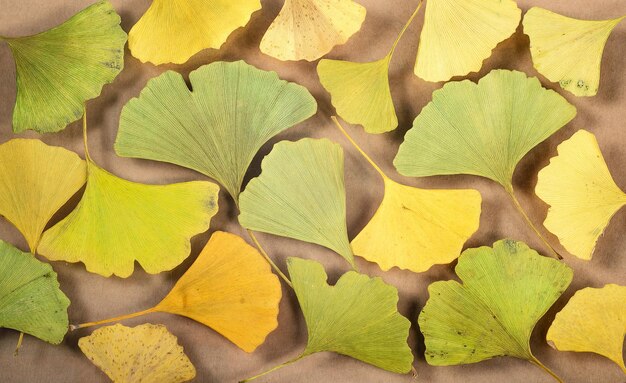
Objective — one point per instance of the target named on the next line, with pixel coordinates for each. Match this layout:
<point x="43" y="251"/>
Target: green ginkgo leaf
<point x="300" y="194"/>
<point x="59" y="69"/>
<point x="30" y="298"/>
<point x="357" y="317"/>
<point x="505" y="290"/>
<point x="35" y="181"/>
<point x="483" y="129"/>
<point x="217" y="128"/>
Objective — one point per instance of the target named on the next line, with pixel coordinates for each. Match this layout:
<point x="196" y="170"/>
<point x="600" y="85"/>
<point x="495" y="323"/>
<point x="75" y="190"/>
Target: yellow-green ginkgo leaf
<point x="118" y="222"/>
<point x="568" y="51"/>
<point x="30" y="298"/>
<point x="219" y="127"/>
<point x="59" y="69"/>
<point x="144" y="354"/>
<point x="505" y="290"/>
<point x="229" y="288"/>
<point x="35" y="181"/>
<point x="358" y="317"/>
<point x="594" y="320"/>
<point x="581" y="193"/>
<point x="458" y="35"/>
<point x="300" y="194"/>
<point x="173" y="31"/>
<point x="309" y="29"/>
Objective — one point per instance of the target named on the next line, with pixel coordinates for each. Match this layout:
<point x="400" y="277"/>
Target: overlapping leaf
<point x="59" y="69"/>
<point x="173" y="31"/>
<point x="458" y="35"/>
<point x="594" y="320"/>
<point x="30" y="298"/>
<point x="505" y="291"/>
<point x="568" y="51"/>
<point x="144" y="354"/>
<point x="300" y="194"/>
<point x="581" y="193"/>
<point x="308" y="29"/>
<point x="216" y="129"/>
<point x="35" y="181"/>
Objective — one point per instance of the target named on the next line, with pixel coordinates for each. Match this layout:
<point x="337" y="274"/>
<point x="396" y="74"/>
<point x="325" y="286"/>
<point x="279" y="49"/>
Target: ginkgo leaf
<point x="401" y="231"/>
<point x="594" y="320"/>
<point x="219" y="127"/>
<point x="118" y="222"/>
<point x="581" y="193"/>
<point x="358" y="317"/>
<point x="458" y="35"/>
<point x="229" y="288"/>
<point x="505" y="291"/>
<point x="59" y="69"/>
<point x="300" y="194"/>
<point x="37" y="180"/>
<point x="30" y="298"/>
<point x="568" y="51"/>
<point x="144" y="354"/>
<point x="173" y="31"/>
<point x="309" y="29"/>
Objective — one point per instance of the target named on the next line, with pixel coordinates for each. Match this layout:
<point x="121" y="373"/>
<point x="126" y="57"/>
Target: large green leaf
<point x="300" y="194"/>
<point x="59" y="69"/>
<point x="505" y="291"/>
<point x="219" y="127"/>
<point x="30" y="298"/>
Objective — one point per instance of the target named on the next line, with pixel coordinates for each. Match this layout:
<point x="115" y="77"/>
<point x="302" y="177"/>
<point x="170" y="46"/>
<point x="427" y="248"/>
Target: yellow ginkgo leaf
<point x="308" y="29"/>
<point x="566" y="50"/>
<point x="173" y="31"/>
<point x="581" y="193"/>
<point x="458" y="35"/>
<point x="415" y="228"/>
<point x="36" y="180"/>
<point x="229" y="288"/>
<point x="144" y="354"/>
<point x="594" y="320"/>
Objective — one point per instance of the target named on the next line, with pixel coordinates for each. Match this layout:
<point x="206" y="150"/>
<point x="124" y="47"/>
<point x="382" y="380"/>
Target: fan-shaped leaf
<point x="59" y="69"/>
<point x="506" y="290"/>
<point x="144" y="354"/>
<point x="581" y="193"/>
<point x="566" y="50"/>
<point x="308" y="29"/>
<point x="30" y="298"/>
<point x="458" y="35"/>
<point x="594" y="320"/>
<point x="37" y="180"/>
<point x="300" y="194"/>
<point x="173" y="31"/>
<point x="216" y="129"/>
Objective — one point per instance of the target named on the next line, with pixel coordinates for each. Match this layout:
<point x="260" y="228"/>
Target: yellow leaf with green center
<point x="505" y="290"/>
<point x="581" y="193"/>
<point x="59" y="69"/>
<point x="36" y="180"/>
<point x="217" y="128"/>
<point x="309" y="29"/>
<point x="594" y="320"/>
<point x="173" y="31"/>
<point x="568" y="51"/>
<point x="144" y="354"/>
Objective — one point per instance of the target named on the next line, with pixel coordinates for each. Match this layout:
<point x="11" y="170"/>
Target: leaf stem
<point x="537" y="363"/>
<point x="111" y="320"/>
<point x="19" y="344"/>
<point x="268" y="259"/>
<point x="404" y="29"/>
<point x="87" y="157"/>
<point x="376" y="167"/>
<point x="520" y="209"/>
<point x="273" y="369"/>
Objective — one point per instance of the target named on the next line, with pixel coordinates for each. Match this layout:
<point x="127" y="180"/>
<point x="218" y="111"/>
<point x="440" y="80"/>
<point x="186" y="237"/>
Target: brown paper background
<point x="217" y="360"/>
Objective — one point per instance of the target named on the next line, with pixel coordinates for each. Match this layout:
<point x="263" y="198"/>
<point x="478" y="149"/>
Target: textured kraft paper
<point x="217" y="360"/>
